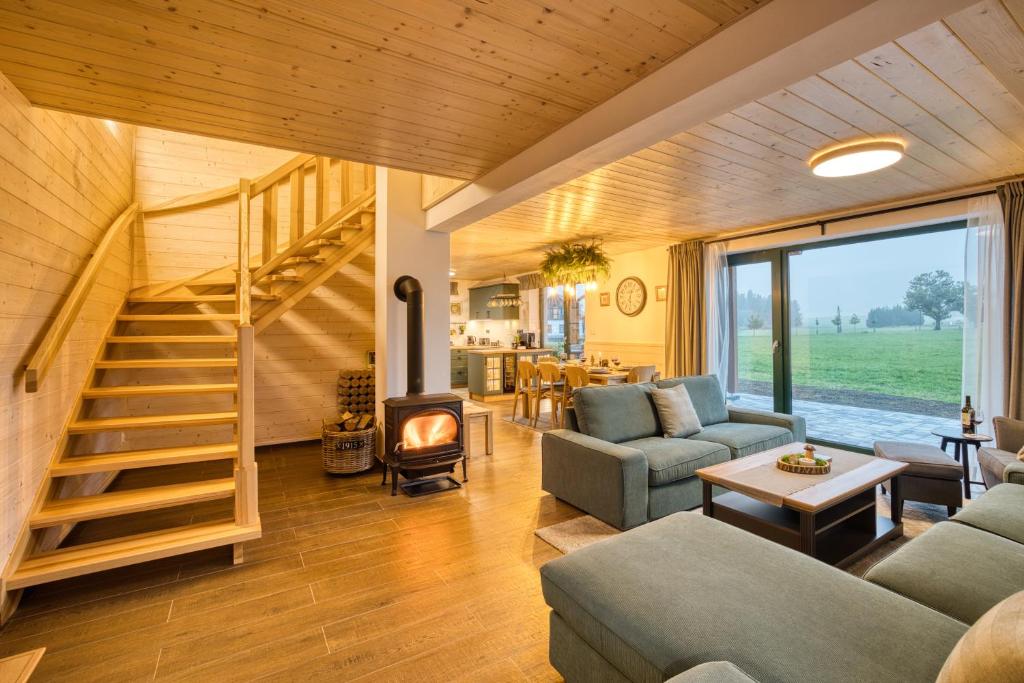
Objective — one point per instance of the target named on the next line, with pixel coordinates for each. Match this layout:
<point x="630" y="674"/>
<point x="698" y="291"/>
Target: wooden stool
<point x="470" y="414"/>
<point x="526" y="387"/>
<point x="575" y="377"/>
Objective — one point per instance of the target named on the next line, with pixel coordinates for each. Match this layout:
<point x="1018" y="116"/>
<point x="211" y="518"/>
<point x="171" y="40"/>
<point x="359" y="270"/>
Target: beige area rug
<point x="580" y="532"/>
<point x="543" y="422"/>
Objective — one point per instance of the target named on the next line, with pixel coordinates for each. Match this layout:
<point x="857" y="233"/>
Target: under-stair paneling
<point x="63" y="180"/>
<point x="299" y="355"/>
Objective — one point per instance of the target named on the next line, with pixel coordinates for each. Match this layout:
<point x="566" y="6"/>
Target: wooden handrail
<point x="223" y="194"/>
<point x="243" y="294"/>
<point x="297" y="246"/>
<point x="42" y="359"/>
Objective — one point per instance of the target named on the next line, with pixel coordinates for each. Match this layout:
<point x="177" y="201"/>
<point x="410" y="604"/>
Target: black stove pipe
<point x="409" y="290"/>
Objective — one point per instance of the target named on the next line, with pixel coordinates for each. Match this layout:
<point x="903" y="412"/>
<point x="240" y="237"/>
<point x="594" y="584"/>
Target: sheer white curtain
<point x="984" y="306"/>
<point x="718" y="305"/>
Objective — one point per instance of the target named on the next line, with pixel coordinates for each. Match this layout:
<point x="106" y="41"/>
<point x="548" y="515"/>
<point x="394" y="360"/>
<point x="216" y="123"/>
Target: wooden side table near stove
<point x="832" y="517"/>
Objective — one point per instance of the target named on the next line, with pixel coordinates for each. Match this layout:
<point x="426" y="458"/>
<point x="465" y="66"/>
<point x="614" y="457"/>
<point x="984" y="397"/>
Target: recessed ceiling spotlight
<point x="855" y="158"/>
<point x="451" y="272"/>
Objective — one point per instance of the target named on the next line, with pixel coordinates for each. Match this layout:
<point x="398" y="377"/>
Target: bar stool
<point x="575" y="377"/>
<point x="526" y="387"/>
<point x="550" y="387"/>
<point x="641" y="374"/>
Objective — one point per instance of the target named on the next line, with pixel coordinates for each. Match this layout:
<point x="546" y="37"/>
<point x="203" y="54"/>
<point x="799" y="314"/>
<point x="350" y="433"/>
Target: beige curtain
<point x="1012" y="197"/>
<point x="685" y="320"/>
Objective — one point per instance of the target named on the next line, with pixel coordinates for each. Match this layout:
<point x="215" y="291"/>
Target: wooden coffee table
<point x="831" y="517"/>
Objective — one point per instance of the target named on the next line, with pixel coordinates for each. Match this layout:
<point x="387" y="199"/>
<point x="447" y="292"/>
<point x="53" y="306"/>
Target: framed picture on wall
<point x="606" y="299"/>
<point x="661" y="292"/>
<point x="457" y="308"/>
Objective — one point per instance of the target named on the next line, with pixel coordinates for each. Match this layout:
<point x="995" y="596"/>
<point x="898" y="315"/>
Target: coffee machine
<point x="527" y="340"/>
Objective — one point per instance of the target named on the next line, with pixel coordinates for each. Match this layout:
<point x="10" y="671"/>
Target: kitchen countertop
<point x="493" y="350"/>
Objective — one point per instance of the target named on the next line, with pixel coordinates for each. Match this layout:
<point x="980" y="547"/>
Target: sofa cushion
<point x="991" y="649"/>
<point x="999" y="511"/>
<point x="670" y="460"/>
<point x="617" y="413"/>
<point x="684" y="590"/>
<point x="675" y="411"/>
<point x="706" y="395"/>
<point x="922" y="460"/>
<point x="713" y="672"/>
<point x="955" y="569"/>
<point x="744" y="438"/>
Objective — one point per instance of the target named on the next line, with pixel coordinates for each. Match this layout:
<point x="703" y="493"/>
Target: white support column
<point x="404" y="247"/>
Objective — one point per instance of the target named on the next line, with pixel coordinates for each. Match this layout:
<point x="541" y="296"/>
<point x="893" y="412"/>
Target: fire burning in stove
<point x="430" y="429"/>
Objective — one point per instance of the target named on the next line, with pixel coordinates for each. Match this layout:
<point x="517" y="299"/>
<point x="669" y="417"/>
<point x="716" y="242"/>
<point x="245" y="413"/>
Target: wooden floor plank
<point x="347" y="583"/>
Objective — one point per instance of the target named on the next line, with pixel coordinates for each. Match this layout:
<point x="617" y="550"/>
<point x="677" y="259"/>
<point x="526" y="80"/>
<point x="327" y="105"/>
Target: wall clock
<point x="631" y="296"/>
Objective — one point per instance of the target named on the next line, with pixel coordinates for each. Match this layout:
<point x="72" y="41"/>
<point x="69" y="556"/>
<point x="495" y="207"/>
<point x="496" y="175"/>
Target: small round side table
<point x="961" y="442"/>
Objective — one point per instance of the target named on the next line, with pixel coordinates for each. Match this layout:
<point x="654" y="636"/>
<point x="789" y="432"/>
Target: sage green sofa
<point x="685" y="594"/>
<point x="1000" y="464"/>
<point x="614" y="463"/>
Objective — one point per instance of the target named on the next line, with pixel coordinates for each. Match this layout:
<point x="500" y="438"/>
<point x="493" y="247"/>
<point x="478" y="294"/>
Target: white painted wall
<point x="405" y="247"/>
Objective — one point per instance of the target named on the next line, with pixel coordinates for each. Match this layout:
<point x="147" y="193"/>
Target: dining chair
<point x="641" y="374"/>
<point x="550" y="387"/>
<point x="575" y="377"/>
<point x="525" y="387"/>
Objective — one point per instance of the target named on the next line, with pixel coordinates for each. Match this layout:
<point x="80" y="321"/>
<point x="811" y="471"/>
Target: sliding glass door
<point x="861" y="336"/>
<point x="756" y="371"/>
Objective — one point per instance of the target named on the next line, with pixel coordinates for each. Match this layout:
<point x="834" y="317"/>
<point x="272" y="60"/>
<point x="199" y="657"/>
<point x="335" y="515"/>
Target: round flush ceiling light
<point x="856" y="158"/>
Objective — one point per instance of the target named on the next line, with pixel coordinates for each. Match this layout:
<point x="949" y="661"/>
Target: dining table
<point x="598" y="375"/>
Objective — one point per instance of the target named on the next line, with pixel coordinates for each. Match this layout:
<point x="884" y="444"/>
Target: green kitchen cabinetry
<point x="460" y="368"/>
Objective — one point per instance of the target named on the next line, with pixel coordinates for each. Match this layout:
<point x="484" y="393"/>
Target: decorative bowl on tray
<point x="805" y="463"/>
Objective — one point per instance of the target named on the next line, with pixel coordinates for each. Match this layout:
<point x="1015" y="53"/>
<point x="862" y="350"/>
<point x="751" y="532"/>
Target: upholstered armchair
<point x="1000" y="464"/>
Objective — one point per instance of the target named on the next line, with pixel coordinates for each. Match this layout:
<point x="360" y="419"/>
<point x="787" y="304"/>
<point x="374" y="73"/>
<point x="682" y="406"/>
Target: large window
<point x="863" y="337"/>
<point x="554" y="324"/>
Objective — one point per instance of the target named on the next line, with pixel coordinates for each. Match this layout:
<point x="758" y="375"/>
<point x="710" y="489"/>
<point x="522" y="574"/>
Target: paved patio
<point x="856" y="426"/>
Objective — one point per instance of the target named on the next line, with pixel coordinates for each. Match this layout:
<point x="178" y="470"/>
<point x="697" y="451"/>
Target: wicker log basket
<point x="348" y="452"/>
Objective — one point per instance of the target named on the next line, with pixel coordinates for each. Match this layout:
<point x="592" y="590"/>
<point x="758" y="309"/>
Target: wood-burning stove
<point x="422" y="432"/>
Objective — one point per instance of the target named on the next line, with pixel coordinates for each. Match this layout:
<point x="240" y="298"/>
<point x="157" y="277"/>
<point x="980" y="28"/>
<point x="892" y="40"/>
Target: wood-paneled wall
<point x="298" y="357"/>
<point x="63" y="180"/>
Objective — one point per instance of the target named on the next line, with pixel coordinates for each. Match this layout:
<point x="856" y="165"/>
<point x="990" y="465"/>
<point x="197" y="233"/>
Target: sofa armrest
<point x="794" y="423"/>
<point x="601" y="478"/>
<point x="1014" y="473"/>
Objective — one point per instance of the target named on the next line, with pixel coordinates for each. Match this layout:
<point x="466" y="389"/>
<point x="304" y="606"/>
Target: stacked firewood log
<point x="356" y="400"/>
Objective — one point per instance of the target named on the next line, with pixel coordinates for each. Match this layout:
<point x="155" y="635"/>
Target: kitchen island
<point x="492" y="370"/>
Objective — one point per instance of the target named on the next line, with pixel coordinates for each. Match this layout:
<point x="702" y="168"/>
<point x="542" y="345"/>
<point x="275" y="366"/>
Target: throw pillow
<point x="990" y="650"/>
<point x="675" y="409"/>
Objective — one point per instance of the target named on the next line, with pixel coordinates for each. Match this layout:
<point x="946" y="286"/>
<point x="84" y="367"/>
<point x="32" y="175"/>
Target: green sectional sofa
<point x="687" y="594"/>
<point x="614" y="463"/>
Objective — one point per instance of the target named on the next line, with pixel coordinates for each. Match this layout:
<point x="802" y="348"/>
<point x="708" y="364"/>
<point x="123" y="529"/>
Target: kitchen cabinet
<point x="485" y="376"/>
<point x="479" y="296"/>
<point x="460" y="368"/>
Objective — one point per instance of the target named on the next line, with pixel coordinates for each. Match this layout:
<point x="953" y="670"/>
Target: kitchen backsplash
<point x="496" y="330"/>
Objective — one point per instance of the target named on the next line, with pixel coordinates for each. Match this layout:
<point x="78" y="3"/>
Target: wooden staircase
<point x="188" y="342"/>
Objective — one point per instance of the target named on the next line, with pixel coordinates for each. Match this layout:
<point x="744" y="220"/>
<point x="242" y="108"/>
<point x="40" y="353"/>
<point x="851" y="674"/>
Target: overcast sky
<point x="858" y="277"/>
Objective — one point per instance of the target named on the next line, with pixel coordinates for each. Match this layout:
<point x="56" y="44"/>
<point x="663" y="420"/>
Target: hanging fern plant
<point x="574" y="263"/>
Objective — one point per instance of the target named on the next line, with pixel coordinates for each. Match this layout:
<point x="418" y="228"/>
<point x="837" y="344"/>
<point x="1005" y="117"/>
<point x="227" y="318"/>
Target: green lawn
<point x="899" y="361"/>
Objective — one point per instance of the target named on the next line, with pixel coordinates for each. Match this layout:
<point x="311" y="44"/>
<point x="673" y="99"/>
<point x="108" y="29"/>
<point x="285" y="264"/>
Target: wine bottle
<point x="967" y="417"/>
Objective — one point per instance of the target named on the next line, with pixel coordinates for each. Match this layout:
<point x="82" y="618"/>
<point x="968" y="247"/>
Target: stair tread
<point x="175" y="317"/>
<point x="124" y="460"/>
<point x="181" y="298"/>
<point x="68" y="510"/>
<point x="138" y="363"/>
<point x="83" y="559"/>
<point x="158" y="389"/>
<point x="143" y="421"/>
<point x="174" y="339"/>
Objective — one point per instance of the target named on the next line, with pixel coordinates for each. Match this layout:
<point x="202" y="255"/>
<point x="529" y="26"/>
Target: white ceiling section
<point x="953" y="90"/>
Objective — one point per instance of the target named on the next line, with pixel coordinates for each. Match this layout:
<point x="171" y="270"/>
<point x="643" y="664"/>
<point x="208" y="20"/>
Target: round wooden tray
<point x="804" y="469"/>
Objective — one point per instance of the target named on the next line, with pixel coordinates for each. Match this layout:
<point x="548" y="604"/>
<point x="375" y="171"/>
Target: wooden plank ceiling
<point x="953" y="91"/>
<point x="447" y="87"/>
